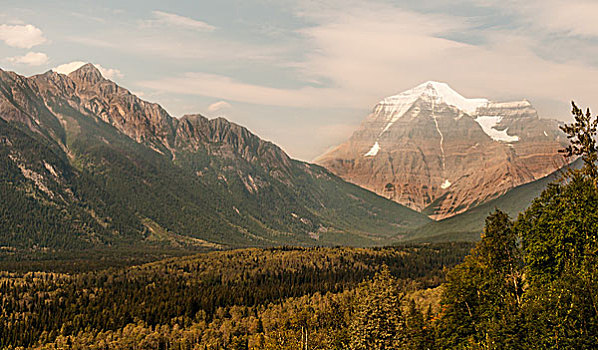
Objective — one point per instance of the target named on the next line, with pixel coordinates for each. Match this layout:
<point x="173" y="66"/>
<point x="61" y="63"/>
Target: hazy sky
<point x="303" y="74"/>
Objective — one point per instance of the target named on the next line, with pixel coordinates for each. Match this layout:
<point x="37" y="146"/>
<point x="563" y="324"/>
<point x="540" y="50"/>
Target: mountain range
<point x="84" y="164"/>
<point x="442" y="154"/>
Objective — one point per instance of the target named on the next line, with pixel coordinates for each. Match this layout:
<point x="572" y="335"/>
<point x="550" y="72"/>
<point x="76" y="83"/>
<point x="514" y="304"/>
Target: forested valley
<point x="235" y="299"/>
<point x="529" y="283"/>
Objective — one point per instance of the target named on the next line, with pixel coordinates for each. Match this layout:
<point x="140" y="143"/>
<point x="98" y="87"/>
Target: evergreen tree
<point x="582" y="136"/>
<point x="418" y="334"/>
<point x="481" y="299"/>
<point x="560" y="241"/>
<point x="378" y="321"/>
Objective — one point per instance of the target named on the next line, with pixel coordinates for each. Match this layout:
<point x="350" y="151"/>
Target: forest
<point x="195" y="294"/>
<point x="529" y="283"/>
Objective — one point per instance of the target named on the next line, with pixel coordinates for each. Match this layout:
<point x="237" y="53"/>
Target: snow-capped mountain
<point x="440" y="153"/>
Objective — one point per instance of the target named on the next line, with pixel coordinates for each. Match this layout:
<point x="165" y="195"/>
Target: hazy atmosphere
<point x="304" y="73"/>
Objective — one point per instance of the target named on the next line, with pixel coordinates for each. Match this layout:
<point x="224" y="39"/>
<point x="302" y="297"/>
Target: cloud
<point x="572" y="17"/>
<point x="21" y="36"/>
<point x="219" y="86"/>
<point x="108" y="73"/>
<point x="167" y="18"/>
<point x="68" y="68"/>
<point x="219" y="106"/>
<point x="31" y="59"/>
<point x="366" y="52"/>
<point x="176" y="46"/>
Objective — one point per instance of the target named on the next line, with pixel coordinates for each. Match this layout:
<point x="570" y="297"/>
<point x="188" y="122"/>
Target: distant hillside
<point x="469" y="225"/>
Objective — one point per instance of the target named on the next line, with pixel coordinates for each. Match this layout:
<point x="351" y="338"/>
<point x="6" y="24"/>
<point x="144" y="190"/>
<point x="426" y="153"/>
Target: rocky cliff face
<point x="437" y="152"/>
<point x="87" y="92"/>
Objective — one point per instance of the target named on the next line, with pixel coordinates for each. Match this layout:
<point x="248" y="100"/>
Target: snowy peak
<point x="434" y="150"/>
<point x="394" y="107"/>
<point x="488" y="114"/>
<point x="438" y="92"/>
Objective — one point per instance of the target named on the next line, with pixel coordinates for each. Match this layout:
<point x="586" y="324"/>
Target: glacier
<point x="488" y="124"/>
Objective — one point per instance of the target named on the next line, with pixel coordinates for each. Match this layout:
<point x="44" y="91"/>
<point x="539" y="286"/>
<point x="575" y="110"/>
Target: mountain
<point x="87" y="164"/>
<point x="440" y="153"/>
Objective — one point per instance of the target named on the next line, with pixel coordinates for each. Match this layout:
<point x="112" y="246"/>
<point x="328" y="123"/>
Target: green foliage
<point x="582" y="138"/>
<point x="560" y="240"/>
<point x="482" y="296"/>
<point x="532" y="284"/>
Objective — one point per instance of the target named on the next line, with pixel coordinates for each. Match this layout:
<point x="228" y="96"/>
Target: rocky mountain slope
<point x="469" y="225"/>
<point x="85" y="163"/>
<point x="435" y="151"/>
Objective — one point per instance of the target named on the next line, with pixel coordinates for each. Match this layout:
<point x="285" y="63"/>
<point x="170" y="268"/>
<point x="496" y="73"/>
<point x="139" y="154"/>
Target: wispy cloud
<point x="30" y="58"/>
<point x="21" y="36"/>
<point x="573" y="17"/>
<point x="219" y="106"/>
<point x="168" y="45"/>
<point x="367" y="51"/>
<point x="219" y="86"/>
<point x="171" y="19"/>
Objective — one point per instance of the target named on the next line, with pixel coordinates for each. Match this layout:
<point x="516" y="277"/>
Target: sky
<point x="304" y="73"/>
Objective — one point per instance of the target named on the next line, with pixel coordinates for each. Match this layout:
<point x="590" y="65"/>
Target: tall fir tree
<point x="378" y="322"/>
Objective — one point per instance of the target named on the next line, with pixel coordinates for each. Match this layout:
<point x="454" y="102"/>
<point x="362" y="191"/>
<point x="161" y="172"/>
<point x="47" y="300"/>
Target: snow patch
<point x="373" y="151"/>
<point x="488" y="124"/>
<point x="441" y="136"/>
<point x="446" y="184"/>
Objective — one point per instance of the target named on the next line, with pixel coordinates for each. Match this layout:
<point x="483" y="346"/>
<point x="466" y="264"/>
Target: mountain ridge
<point x="139" y="175"/>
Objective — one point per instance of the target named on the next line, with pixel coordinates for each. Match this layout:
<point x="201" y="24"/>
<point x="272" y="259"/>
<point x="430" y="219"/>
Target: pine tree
<point x="378" y="322"/>
<point x="560" y="241"/>
<point x="582" y="136"/>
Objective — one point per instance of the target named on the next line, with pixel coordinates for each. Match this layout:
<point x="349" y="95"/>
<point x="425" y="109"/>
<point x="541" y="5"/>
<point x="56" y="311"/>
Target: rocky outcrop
<point x="440" y="153"/>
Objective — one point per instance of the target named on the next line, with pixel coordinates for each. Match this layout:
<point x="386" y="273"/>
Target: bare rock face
<point x="439" y="153"/>
<point x="87" y="92"/>
<point x="85" y="95"/>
